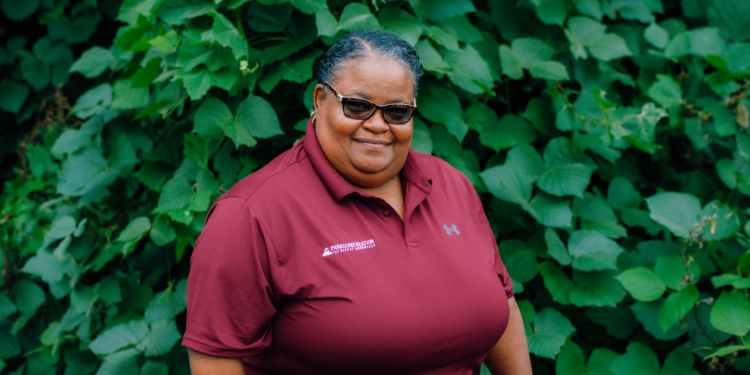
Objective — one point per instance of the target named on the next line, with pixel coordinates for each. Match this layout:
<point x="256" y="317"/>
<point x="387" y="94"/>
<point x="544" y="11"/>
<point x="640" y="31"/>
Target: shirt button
<point x="386" y="212"/>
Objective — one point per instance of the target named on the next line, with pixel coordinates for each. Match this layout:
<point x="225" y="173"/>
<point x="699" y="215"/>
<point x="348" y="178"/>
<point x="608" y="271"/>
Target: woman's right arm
<point x="204" y="364"/>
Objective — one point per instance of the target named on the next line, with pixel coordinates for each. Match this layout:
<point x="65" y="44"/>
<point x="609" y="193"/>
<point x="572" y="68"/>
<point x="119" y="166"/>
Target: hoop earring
<point x="313" y="117"/>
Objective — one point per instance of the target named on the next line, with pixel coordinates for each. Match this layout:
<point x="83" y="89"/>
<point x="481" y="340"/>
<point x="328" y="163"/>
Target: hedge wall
<point x="608" y="140"/>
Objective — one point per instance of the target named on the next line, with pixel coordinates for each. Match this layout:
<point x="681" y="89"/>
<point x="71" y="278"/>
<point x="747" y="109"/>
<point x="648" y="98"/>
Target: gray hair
<point x="370" y="43"/>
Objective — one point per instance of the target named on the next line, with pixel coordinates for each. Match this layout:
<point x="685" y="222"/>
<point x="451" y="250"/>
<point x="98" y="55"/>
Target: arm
<point x="511" y="354"/>
<point x="204" y="364"/>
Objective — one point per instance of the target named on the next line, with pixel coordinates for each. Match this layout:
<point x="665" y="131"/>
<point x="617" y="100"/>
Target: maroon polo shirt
<point x="297" y="272"/>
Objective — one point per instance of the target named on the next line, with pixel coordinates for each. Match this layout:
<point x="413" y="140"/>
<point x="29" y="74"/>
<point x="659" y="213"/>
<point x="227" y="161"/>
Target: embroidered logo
<point x="448" y="230"/>
<point x="351" y="246"/>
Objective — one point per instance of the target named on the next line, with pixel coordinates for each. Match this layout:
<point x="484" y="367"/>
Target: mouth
<point x="372" y="144"/>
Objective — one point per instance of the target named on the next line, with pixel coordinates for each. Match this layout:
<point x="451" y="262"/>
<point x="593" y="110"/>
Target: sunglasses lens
<point x="358" y="109"/>
<point x="397" y="115"/>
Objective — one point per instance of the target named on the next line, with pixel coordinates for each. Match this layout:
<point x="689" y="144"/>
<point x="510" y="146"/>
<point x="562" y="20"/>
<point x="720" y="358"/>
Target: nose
<point x="376" y="123"/>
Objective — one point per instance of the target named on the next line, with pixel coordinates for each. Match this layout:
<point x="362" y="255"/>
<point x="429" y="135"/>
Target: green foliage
<point x="607" y="139"/>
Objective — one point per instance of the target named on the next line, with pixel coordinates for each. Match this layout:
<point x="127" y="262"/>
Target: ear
<point x="318" y="96"/>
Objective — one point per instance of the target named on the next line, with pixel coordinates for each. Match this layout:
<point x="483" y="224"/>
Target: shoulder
<point x="283" y="173"/>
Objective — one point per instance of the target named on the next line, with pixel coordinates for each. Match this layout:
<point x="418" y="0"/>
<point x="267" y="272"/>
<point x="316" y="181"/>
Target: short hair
<point x="370" y="43"/>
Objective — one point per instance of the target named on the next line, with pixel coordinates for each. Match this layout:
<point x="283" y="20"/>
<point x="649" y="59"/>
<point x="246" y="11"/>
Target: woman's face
<point x="370" y="152"/>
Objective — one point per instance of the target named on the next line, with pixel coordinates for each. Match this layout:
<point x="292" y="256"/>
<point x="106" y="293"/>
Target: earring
<point x="312" y="114"/>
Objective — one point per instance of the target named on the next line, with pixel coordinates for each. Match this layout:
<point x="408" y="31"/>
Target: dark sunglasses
<point x="362" y="109"/>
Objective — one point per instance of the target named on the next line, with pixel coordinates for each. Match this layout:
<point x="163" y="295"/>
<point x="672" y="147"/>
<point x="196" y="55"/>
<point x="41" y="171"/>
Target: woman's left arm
<point x="510" y="356"/>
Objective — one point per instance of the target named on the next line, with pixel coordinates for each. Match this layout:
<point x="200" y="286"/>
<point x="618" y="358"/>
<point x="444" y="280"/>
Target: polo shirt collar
<point x="338" y="187"/>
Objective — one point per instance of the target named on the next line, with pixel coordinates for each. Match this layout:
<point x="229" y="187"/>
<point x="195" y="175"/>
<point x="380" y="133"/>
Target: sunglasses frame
<point x="343" y="99"/>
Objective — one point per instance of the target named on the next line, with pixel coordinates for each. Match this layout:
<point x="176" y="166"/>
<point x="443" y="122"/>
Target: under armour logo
<point x="448" y="230"/>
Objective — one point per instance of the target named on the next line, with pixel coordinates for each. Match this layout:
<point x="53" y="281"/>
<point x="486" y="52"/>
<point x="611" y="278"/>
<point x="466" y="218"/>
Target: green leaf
<point x="618" y="322"/>
<point x="29" y="296"/>
<point x="356" y="16"/>
<point x="677" y="305"/>
<point x="609" y="47"/>
<point x="731" y="17"/>
<point x="557" y="282"/>
<point x="93" y="101"/>
<point x="570" y="361"/>
<point x="50" y="267"/>
<point x="513" y="181"/>
<point x="601" y="361"/>
<point x="135" y="230"/>
<point x="108" y="290"/>
<point x="596" y="288"/>
<point x="622" y="195"/>
<point x="553" y="12"/>
<point x="730" y="313"/>
<point x="130" y="10"/>
<point x="146" y="75"/>
<point x="648" y="314"/>
<point x="585" y="32"/>
<point x="656" y="35"/>
<point x="440" y="10"/>
<point x="84" y="172"/>
<point x="93" y="62"/>
<point x="552" y="211"/>
<point x="534" y="55"/>
<point x="469" y="70"/>
<point x="128" y="96"/>
<point x="35" y="72"/>
<point x="421" y="140"/>
<point x="82" y="299"/>
<point x="639" y="360"/>
<point x="120" y="363"/>
<point x="176" y="195"/>
<point x="441" y="105"/>
<point x="511" y="65"/>
<point x="19" y="10"/>
<point x="672" y="271"/>
<point x="271" y="18"/>
<point x="676" y="211"/>
<point x="665" y="91"/>
<point x="162" y="338"/>
<point x="310" y="6"/>
<point x="12" y="96"/>
<point x="207" y="115"/>
<point x="592" y="251"/>
<point x="522" y="266"/>
<point x="118" y="337"/>
<point x="256" y="116"/>
<point x="642" y="283"/>
<point x="199" y="80"/>
<point x="224" y="32"/>
<point x="556" y="247"/>
<point x="734" y="280"/>
<point x="509" y="132"/>
<point x="721" y="222"/>
<point x="565" y="179"/>
<point x="154" y="368"/>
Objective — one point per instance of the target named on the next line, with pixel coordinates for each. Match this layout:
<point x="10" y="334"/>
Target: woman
<point x="352" y="253"/>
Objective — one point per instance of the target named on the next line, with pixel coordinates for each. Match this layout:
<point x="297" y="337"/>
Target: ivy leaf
<point x="731" y="17"/>
<point x="509" y="132"/>
<point x="676" y="211"/>
<point x="622" y="195"/>
<point x="135" y="230"/>
<point x="553" y="12"/>
<point x="469" y="70"/>
<point x="206" y="117"/>
<point x="639" y="360"/>
<point x="327" y="24"/>
<point x="643" y="284"/>
<point x="357" y="16"/>
<point x="19" y="10"/>
<point x="550" y="332"/>
<point x="592" y="251"/>
<point x="162" y="338"/>
<point x="440" y="10"/>
<point x="118" y="337"/>
<point x="556" y="247"/>
<point x="522" y="266"/>
<point x="199" y="80"/>
<point x="557" y="282"/>
<point x="310" y="6"/>
<point x="553" y="212"/>
<point x="257" y="116"/>
<point x="270" y="18"/>
<point x="123" y="362"/>
<point x="533" y="55"/>
<point x="49" y="267"/>
<point x="12" y="96"/>
<point x="29" y="296"/>
<point x="665" y="91"/>
<point x="596" y="288"/>
<point x="730" y="313"/>
<point x="83" y="173"/>
<point x="513" y="181"/>
<point x="648" y="314"/>
<point x="176" y="195"/>
<point x="677" y="305"/>
<point x="585" y="32"/>
<point x="93" y="62"/>
<point x="570" y="361"/>
<point x="227" y="35"/>
<point x="656" y="35"/>
<point x="441" y="105"/>
<point x="565" y="179"/>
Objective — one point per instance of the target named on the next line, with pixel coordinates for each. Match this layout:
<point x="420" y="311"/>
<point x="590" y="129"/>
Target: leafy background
<point x="608" y="140"/>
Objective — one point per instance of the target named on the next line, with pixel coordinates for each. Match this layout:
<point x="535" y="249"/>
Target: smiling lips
<point x="373" y="145"/>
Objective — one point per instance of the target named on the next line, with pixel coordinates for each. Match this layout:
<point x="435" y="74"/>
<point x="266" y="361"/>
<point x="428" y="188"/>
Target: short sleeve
<point x="499" y="267"/>
<point x="230" y="287"/>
